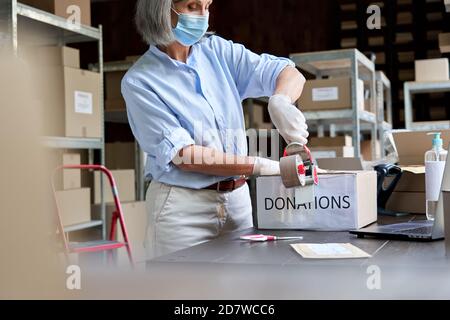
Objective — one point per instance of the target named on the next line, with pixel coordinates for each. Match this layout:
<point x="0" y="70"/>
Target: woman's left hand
<point x="288" y="119"/>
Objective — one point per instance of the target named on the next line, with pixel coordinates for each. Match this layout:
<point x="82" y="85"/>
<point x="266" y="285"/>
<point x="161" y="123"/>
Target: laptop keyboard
<point x="422" y="230"/>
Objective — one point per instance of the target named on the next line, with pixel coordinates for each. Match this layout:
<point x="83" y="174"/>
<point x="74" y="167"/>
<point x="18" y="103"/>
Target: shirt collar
<point x="190" y="61"/>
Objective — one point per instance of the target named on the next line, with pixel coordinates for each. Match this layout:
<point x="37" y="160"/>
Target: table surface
<point x="230" y="268"/>
<point x="229" y="248"/>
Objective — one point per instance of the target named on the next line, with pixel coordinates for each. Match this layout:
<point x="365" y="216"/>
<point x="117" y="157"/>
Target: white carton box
<point x="343" y="201"/>
<point x="432" y="70"/>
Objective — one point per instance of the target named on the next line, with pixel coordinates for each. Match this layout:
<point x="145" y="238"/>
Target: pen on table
<point x="263" y="238"/>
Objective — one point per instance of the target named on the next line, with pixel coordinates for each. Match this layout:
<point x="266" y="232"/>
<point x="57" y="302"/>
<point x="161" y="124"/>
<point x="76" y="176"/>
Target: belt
<point x="227" y="185"/>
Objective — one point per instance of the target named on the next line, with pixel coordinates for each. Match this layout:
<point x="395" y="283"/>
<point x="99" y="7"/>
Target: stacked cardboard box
<point x="125" y="181"/>
<point x="367" y="105"/>
<point x="261" y="118"/>
<point x="120" y="155"/>
<point x="75" y="10"/>
<point x="74" y="202"/>
<point x="132" y="58"/>
<point x="432" y="70"/>
<point x="71" y="177"/>
<point x="409" y="194"/>
<point x="330" y="94"/>
<point x="114" y="100"/>
<point x="71" y="96"/>
<point x="340" y="141"/>
<point x="331" y="147"/>
<point x="366" y="150"/>
<point x="444" y="42"/>
<point x="333" y="152"/>
<point x="135" y="217"/>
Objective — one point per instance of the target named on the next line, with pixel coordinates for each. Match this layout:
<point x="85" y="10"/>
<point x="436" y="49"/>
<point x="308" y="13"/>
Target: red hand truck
<point x="102" y="245"/>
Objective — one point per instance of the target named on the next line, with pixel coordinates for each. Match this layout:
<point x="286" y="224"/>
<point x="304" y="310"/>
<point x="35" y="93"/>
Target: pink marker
<point x="263" y="238"/>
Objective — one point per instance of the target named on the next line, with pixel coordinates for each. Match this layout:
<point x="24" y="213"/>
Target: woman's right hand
<point x="215" y="162"/>
<point x="265" y="167"/>
<point x="288" y="119"/>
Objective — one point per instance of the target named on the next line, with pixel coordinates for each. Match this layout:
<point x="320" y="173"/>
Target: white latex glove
<point x="266" y="167"/>
<point x="288" y="119"/>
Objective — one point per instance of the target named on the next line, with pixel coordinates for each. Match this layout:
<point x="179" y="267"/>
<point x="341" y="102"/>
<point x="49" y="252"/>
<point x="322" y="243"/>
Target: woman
<point x="183" y="100"/>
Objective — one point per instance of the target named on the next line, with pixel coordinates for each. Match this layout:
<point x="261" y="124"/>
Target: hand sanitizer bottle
<point x="434" y="172"/>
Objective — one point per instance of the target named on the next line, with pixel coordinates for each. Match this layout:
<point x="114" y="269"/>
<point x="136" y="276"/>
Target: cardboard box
<point x="432" y="70"/>
<point x="74" y="206"/>
<point x="86" y="235"/>
<point x="120" y="155"/>
<point x="412" y="180"/>
<point x="409" y="194"/>
<point x="412" y="145"/>
<point x="261" y="119"/>
<point x="71" y="177"/>
<point x="125" y="181"/>
<point x="135" y="216"/>
<point x="82" y="100"/>
<point x="367" y="105"/>
<point x="444" y="42"/>
<point x="349" y="164"/>
<point x="366" y="150"/>
<point x="113" y="85"/>
<point x="410" y="202"/>
<point x="344" y="201"/>
<point x="132" y="58"/>
<point x="342" y="141"/>
<point x="58" y="56"/>
<point x="329" y="94"/>
<point x="71" y="100"/>
<point x="65" y="8"/>
<point x="332" y="152"/>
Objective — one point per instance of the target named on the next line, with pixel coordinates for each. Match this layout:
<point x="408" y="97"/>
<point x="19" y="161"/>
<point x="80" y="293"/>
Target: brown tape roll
<point x="289" y="171"/>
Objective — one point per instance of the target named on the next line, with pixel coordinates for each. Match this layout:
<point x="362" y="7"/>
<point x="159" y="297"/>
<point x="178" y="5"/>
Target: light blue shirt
<point x="171" y="105"/>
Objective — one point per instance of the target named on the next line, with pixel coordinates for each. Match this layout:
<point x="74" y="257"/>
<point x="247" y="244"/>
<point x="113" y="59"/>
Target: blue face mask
<point x="190" y="28"/>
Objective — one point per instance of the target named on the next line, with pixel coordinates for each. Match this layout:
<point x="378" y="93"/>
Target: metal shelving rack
<point x="60" y="32"/>
<point x="121" y="117"/>
<point x="350" y="63"/>
<point x="384" y="95"/>
<point x="411" y="88"/>
<point x="408" y="32"/>
<point x="384" y="99"/>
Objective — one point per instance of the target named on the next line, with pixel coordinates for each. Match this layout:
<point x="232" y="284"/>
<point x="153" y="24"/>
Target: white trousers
<point x="179" y="218"/>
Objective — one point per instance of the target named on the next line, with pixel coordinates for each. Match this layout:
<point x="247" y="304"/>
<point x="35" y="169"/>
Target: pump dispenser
<point x="434" y="172"/>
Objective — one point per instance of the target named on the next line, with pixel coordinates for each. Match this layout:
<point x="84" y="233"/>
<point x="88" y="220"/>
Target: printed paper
<point x="329" y="251"/>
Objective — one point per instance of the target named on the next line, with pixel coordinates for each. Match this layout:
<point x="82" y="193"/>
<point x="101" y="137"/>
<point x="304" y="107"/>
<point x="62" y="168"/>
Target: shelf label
<point x="83" y="102"/>
<point x="324" y="154"/>
<point x="325" y="94"/>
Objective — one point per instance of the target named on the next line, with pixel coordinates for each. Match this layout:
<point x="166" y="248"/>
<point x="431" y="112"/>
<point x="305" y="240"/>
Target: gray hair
<point x="153" y="21"/>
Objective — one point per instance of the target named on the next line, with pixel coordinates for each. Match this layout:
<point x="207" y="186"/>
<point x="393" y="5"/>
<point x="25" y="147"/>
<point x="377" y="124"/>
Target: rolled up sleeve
<point x="156" y="128"/>
<point x="255" y="75"/>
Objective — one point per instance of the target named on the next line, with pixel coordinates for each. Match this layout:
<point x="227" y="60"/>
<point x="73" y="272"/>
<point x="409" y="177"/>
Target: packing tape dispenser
<point x="298" y="170"/>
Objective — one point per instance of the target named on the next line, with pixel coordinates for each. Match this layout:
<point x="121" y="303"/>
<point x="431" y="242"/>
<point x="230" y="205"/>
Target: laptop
<point x="424" y="230"/>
